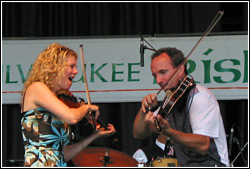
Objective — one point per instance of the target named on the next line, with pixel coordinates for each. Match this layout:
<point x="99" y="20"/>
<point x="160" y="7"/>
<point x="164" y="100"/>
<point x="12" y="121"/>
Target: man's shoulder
<point x="202" y="92"/>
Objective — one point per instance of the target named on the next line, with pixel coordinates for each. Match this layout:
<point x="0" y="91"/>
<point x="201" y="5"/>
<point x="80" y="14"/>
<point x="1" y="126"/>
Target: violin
<point x="90" y="123"/>
<point x="74" y="102"/>
<point x="172" y="98"/>
<point x="184" y="86"/>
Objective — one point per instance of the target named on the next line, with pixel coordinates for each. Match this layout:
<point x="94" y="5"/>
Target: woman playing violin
<point x="45" y="119"/>
<point x="194" y="123"/>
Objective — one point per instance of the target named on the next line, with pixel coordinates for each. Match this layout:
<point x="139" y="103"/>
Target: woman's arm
<point x="70" y="151"/>
<point x="39" y="95"/>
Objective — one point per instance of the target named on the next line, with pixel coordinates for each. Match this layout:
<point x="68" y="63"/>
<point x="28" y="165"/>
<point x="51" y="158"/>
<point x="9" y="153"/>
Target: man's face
<point x="162" y="69"/>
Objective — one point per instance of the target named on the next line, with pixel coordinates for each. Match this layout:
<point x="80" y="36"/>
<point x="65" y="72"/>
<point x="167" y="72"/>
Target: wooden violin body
<point x="170" y="100"/>
<point x="74" y="102"/>
<point x="88" y="126"/>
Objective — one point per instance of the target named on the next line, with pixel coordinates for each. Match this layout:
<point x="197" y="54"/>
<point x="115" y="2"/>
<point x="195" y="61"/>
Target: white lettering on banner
<point x="113" y="70"/>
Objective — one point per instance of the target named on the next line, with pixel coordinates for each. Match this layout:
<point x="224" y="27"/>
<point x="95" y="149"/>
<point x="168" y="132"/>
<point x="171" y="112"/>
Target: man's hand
<point x="149" y="102"/>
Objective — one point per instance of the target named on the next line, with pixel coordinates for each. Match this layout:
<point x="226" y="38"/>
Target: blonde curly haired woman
<point x="45" y="119"/>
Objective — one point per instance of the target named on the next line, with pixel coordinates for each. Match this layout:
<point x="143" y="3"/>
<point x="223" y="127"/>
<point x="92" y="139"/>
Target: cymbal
<point x="103" y="157"/>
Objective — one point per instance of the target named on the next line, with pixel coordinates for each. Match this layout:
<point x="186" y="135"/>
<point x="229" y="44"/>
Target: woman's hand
<point x="101" y="132"/>
<point x="91" y="111"/>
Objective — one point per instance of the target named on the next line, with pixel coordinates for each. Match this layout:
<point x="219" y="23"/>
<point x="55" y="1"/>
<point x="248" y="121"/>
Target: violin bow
<point x="87" y="90"/>
<point x="86" y="85"/>
<point x="84" y="75"/>
<point x="208" y="30"/>
<point x="98" y="120"/>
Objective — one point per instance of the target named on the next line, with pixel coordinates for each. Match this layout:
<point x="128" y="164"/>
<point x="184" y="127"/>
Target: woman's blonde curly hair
<point x="49" y="64"/>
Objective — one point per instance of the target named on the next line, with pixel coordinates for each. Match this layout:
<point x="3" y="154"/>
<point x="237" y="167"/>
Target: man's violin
<point x="186" y="84"/>
<point x="172" y="98"/>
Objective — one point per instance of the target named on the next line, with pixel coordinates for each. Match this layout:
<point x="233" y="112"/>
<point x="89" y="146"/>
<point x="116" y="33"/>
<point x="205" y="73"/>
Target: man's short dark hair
<point x="175" y="55"/>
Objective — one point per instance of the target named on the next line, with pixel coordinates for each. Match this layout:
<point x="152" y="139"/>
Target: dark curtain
<point x="47" y="19"/>
<point x="101" y="19"/>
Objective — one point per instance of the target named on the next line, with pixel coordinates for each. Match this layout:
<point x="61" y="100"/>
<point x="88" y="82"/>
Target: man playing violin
<point x="193" y="124"/>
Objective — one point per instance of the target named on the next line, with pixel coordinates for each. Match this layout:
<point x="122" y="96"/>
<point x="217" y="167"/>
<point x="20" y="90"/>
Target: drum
<point x="103" y="157"/>
<point x="165" y="162"/>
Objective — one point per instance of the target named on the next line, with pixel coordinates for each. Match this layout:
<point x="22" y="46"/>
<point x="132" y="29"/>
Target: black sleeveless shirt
<point x="179" y="120"/>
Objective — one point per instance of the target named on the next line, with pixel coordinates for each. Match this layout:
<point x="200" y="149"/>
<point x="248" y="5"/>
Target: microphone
<point x="142" y="52"/>
<point x="231" y="141"/>
<point x="235" y="140"/>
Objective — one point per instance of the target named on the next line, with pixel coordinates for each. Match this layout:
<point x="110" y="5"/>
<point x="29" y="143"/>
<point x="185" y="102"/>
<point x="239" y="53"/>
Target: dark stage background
<point x="39" y="20"/>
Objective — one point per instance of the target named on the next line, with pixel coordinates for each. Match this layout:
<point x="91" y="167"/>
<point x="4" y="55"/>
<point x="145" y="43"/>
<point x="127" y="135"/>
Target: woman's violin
<point x="74" y="102"/>
<point x="89" y="125"/>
